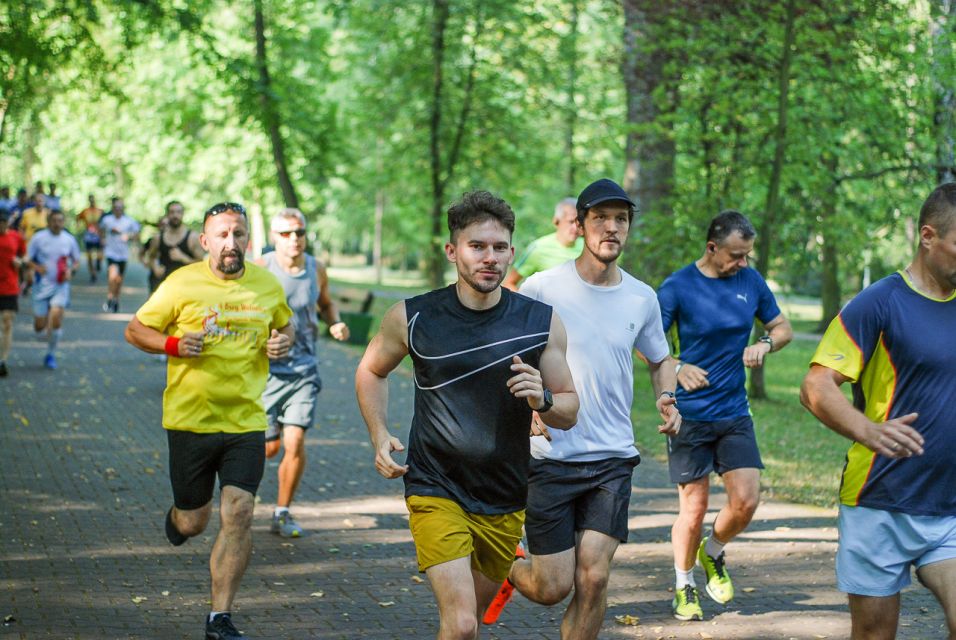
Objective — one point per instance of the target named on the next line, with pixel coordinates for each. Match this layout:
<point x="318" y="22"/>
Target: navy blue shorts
<point x="567" y="497"/>
<point x="195" y="459"/>
<point x="721" y="446"/>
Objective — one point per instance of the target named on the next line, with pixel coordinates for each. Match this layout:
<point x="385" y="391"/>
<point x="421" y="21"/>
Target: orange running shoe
<point x="503" y="596"/>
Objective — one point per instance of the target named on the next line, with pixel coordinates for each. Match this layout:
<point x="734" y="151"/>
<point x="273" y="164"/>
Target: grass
<point x="803" y="459"/>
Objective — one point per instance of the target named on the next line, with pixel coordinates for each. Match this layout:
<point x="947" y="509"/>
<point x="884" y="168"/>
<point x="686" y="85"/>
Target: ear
<point x="203" y="241"/>
<point x="926" y="235"/>
<point x="450" y="252"/>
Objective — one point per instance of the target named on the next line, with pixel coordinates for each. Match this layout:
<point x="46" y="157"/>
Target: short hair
<point x="286" y="214"/>
<point x="171" y="203"/>
<point x="478" y="206"/>
<point x="728" y="222"/>
<point x="559" y="208"/>
<point x="939" y="209"/>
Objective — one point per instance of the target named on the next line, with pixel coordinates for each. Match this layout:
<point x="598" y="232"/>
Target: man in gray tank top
<point x="294" y="383"/>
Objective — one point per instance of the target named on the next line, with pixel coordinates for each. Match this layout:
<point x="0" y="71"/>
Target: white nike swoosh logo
<point x="411" y="347"/>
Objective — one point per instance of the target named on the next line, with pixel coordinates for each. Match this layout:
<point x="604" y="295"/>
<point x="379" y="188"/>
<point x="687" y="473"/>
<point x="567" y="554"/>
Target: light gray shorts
<point x="290" y="399"/>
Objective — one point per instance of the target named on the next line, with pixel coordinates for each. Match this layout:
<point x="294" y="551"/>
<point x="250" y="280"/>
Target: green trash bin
<point x="359" y="325"/>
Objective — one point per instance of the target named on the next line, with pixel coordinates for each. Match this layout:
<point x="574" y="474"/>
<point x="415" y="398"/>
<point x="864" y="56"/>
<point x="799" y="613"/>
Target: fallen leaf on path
<point x="317" y="594"/>
<point x="386" y="604"/>
<point x="628" y="619"/>
<point x="705" y="636"/>
<point x="749" y="589"/>
<point x="417" y="579"/>
<point x="138" y="599"/>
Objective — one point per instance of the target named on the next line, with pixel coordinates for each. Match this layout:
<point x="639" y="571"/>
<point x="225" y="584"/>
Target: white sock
<point x="54" y="339"/>
<point x="714" y="547"/>
<point x="684" y="577"/>
<point x="213" y="614"/>
<point x="281" y="510"/>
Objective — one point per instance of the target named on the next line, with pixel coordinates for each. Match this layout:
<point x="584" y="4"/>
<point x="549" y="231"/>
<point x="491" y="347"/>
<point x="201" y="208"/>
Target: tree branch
<point x="466" y="103"/>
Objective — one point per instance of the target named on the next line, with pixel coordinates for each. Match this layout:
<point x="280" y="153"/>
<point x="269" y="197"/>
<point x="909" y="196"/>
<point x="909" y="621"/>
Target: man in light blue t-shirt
<point x="54" y="255"/>
<point x="709" y="308"/>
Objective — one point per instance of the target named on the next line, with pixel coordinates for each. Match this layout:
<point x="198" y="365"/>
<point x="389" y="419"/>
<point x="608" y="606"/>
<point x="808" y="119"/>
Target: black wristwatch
<point x="766" y="339"/>
<point x="548" y="401"/>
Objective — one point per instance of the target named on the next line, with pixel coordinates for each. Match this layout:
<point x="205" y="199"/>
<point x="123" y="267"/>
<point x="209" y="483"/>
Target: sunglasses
<point x="298" y="233"/>
<point x="222" y="207"/>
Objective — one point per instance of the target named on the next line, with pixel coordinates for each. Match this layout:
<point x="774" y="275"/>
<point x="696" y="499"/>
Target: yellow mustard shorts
<point x="443" y="531"/>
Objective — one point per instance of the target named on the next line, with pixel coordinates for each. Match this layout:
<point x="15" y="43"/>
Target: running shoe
<point x="49" y="361"/>
<point x="108" y="306"/>
<point x="686" y="604"/>
<point x="3" y="370"/>
<point x="503" y="596"/>
<point x="221" y="628"/>
<point x="286" y="526"/>
<point x="719" y="587"/>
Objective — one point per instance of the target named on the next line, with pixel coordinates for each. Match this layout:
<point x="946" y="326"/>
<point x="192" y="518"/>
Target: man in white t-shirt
<point x="54" y="255"/>
<point x="579" y="487"/>
<point x="116" y="230"/>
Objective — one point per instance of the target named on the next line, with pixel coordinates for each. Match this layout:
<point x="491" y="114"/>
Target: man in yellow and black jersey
<point x="895" y="343"/>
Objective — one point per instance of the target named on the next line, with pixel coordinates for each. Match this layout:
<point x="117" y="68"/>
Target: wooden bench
<point x="355" y="305"/>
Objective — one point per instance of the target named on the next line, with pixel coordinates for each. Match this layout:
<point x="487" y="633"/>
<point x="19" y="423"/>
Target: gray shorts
<point x="290" y="399"/>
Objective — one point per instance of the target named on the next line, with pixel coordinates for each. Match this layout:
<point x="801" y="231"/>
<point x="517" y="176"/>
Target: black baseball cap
<point x="600" y="191"/>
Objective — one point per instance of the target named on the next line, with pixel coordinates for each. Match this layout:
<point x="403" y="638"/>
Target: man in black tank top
<point x="173" y="247"/>
<point x="485" y="358"/>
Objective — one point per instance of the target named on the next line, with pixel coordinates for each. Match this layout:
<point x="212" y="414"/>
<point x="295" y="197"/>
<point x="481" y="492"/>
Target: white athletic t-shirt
<point x="604" y="326"/>
<point x="117" y="233"/>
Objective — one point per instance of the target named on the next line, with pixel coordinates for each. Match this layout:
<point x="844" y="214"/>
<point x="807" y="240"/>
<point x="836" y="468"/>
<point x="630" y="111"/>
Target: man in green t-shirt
<point x="550" y="250"/>
<point x="220" y="321"/>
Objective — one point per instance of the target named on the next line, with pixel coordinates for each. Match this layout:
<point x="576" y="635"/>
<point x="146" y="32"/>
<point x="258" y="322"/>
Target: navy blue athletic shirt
<point x="711" y="320"/>
<point x="469" y="435"/>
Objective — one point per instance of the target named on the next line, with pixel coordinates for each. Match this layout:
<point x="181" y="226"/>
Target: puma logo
<point x="742" y="296"/>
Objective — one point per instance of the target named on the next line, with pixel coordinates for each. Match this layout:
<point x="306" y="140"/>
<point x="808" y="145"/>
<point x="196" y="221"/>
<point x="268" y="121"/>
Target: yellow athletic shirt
<point x="221" y="390"/>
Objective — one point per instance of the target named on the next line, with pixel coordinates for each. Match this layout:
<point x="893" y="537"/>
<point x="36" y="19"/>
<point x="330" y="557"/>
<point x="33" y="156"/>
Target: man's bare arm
<point x="382" y="355"/>
<point x="664" y="379"/>
<point x="555" y="375"/>
<point x="820" y="394"/>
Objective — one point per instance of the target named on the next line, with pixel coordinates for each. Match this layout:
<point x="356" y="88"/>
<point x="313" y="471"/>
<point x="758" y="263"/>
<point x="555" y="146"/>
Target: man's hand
<point x="190" y="344"/>
<point x="894" y="438"/>
<point x="667" y="407"/>
<point x="692" y="377"/>
<point x="539" y="428"/>
<point x="339" y="331"/>
<point x="384" y="463"/>
<point x="755" y="353"/>
<point x="178" y="255"/>
<point x="158" y="270"/>
<point x="527" y="384"/>
<point x="277" y="346"/>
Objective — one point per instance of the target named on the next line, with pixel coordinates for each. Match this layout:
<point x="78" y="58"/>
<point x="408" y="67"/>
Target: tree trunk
<point x="571" y="108"/>
<point x="377" y="241"/>
<point x="650" y="150"/>
<point x="944" y="115"/>
<point x="436" y="258"/>
<point x="270" y="113"/>
<point x="830" y="274"/>
<point x="758" y="388"/>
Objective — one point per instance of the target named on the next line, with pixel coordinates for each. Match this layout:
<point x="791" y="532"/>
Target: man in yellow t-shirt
<point x="88" y="224"/>
<point x="220" y="321"/>
<point x="32" y="220"/>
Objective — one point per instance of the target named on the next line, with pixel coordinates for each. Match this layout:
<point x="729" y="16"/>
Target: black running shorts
<point x="721" y="446"/>
<point x="195" y="459"/>
<point x="120" y="264"/>
<point x="567" y="497"/>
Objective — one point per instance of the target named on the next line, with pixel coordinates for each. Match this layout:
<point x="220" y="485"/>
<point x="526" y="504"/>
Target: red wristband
<point x="172" y="346"/>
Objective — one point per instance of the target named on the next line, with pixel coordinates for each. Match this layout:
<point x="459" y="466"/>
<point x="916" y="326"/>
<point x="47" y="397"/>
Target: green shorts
<point x="443" y="531"/>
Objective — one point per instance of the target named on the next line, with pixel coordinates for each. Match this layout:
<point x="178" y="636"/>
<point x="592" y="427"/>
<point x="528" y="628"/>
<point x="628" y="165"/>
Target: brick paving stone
<point x="85" y="489"/>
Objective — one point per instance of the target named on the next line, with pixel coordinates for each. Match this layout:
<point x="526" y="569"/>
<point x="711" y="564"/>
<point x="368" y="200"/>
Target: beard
<point x="235" y="266"/>
<point x="174" y="224"/>
<point x="482" y="285"/>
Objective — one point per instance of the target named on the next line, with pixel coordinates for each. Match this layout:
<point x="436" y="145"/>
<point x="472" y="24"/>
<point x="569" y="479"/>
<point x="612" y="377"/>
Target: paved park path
<point x="83" y="491"/>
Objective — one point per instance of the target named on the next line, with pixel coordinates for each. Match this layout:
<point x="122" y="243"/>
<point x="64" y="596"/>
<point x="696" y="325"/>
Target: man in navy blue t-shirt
<point x="709" y="307"/>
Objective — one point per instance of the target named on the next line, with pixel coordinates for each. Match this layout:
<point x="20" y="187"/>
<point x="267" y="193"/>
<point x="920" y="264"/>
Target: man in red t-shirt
<point x="12" y="249"/>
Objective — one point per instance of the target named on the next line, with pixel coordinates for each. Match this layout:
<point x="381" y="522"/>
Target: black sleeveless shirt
<point x="164" y="259"/>
<point x="469" y="435"/>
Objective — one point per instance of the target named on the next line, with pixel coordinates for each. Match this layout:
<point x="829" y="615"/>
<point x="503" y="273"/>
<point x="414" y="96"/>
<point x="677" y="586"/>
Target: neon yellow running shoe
<point x="719" y="586"/>
<point x="686" y="604"/>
